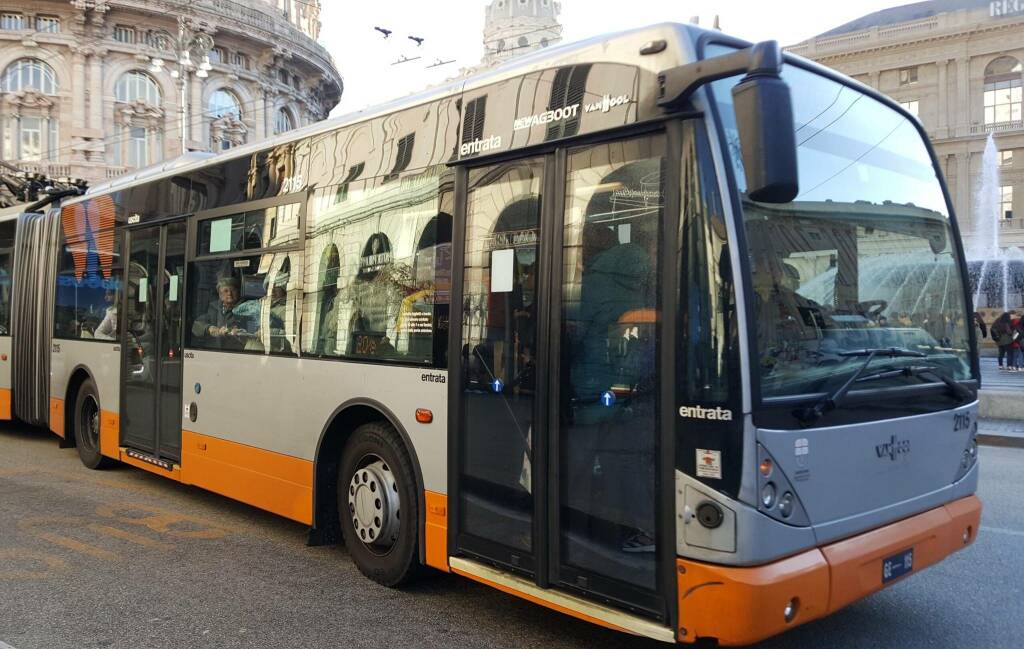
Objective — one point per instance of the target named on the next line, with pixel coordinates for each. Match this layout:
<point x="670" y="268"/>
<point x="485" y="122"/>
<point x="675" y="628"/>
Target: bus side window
<point x="380" y="283"/>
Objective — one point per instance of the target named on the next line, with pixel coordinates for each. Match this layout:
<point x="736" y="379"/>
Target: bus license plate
<point x="898" y="565"/>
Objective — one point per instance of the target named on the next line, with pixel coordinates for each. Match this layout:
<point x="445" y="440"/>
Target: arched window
<point x="25" y="74"/>
<point x="226" y="128"/>
<point x="224" y="103"/>
<point x="137" y="86"/>
<point x="524" y="41"/>
<point x="1003" y="91"/>
<point x="29" y="130"/>
<point x="284" y="121"/>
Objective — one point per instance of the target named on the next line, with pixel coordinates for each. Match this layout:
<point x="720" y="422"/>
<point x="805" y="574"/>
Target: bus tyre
<point x="378" y="505"/>
<point x="86" y="426"/>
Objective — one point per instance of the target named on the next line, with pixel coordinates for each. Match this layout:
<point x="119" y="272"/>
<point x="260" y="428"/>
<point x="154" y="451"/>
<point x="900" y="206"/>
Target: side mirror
<point x="764" y="114"/>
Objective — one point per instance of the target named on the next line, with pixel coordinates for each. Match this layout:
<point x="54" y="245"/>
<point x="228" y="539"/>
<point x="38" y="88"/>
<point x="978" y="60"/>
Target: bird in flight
<point x="419" y="41"/>
<point x="386" y="32"/>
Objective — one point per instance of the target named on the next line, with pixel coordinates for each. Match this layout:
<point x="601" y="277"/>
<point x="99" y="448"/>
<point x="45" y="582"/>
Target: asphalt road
<point x="122" y="558"/>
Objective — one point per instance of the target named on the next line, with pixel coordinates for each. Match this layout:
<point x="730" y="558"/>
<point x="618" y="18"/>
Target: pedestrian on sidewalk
<point x="1016" y="332"/>
<point x="1002" y="334"/>
<point x="980" y="321"/>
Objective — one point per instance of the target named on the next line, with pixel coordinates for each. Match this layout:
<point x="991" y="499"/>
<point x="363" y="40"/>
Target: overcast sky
<point x="453" y="30"/>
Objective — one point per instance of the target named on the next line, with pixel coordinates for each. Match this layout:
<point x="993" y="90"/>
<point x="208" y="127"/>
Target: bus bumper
<point x="742" y="606"/>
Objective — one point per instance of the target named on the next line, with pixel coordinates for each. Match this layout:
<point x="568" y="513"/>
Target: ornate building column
<point x="198" y="109"/>
<point x="962" y="199"/>
<point x="96" y="88"/>
<point x="963" y="93"/>
<point x="942" y="130"/>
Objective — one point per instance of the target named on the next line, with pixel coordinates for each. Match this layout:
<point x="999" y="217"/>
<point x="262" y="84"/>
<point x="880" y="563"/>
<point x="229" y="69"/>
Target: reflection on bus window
<point x="250" y="230"/>
<point x="88" y="272"/>
<point x="864" y="258"/>
<point x="380" y="288"/>
<point x="610" y="344"/>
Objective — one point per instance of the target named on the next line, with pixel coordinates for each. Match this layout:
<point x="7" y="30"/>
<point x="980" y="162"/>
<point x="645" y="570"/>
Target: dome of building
<point x="516" y="27"/>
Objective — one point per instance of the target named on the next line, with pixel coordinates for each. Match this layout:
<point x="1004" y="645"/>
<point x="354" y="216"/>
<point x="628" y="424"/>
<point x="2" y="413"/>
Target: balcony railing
<point x="49" y="169"/>
<point x="1001" y="127"/>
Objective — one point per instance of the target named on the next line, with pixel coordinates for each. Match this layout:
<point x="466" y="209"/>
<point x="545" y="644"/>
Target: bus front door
<point x="555" y="372"/>
<point x="151" y="342"/>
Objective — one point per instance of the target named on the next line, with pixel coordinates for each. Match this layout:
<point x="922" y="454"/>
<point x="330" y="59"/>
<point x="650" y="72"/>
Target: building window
<point x="124" y="34"/>
<point x="218" y="55"/>
<point x="30" y="138"/>
<point x="30" y="74"/>
<point x="282" y="75"/>
<point x="240" y="60"/>
<point x="524" y="42"/>
<point x="224" y="103"/>
<point x="138" y="147"/>
<point x="1006" y="158"/>
<point x="137" y="86"/>
<point x="908" y="76"/>
<point x="283" y="122"/>
<point x="12" y="21"/>
<point x="226" y="129"/>
<point x="1006" y="202"/>
<point x="1003" y="91"/>
<point x="48" y="24"/>
<point x="911" y="107"/>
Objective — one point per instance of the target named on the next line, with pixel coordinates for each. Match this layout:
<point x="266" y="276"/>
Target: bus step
<point x="560" y="601"/>
<point x="149" y="459"/>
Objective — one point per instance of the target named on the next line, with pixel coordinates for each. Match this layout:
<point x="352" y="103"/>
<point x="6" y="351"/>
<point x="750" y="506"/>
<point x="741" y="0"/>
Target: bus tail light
<point x="424" y="416"/>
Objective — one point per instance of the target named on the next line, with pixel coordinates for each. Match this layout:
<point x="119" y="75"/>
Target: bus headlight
<point x="768" y="495"/>
<point x="786" y="505"/>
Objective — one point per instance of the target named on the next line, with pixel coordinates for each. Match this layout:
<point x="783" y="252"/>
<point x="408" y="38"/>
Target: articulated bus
<point x="662" y="330"/>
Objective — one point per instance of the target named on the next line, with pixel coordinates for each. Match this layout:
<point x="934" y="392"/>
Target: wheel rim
<point x="374" y="504"/>
<point x="90" y="423"/>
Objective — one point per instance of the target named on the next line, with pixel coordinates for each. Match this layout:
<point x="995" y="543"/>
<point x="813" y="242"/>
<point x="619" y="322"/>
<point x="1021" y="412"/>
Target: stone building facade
<point x="957" y="65"/>
<point x="79" y="96"/>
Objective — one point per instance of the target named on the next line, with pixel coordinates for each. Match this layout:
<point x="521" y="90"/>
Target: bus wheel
<point x="377" y="505"/>
<point x="87" y="426"/>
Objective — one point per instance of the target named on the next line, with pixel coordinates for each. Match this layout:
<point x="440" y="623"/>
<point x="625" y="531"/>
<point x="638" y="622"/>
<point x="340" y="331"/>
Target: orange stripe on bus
<point x="278" y="483"/>
<point x="436" y="531"/>
<point x="57" y="416"/>
<point x="5" y="405"/>
<point x="110" y="434"/>
<point x="742" y="606"/>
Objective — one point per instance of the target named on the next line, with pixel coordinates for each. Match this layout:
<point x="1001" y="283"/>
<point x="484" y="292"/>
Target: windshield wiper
<point x="958" y="389"/>
<point x="832" y="401"/>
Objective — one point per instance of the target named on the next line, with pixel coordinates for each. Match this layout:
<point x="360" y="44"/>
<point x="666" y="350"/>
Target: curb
<point x="1002" y="441"/>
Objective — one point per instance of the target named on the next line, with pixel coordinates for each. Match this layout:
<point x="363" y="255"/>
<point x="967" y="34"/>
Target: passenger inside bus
<point x="220" y="326"/>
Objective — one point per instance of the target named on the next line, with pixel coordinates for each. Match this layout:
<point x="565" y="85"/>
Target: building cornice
<point x="872" y="43"/>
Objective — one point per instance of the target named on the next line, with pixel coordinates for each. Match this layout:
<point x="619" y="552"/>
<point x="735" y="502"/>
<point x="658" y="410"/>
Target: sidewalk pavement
<point x="1001" y="432"/>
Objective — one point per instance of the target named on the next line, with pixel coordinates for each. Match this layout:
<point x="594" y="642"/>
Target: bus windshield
<point x="864" y="258"/>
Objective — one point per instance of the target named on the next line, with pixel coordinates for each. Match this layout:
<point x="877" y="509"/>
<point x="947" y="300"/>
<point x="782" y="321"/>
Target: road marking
<point x="4" y="645"/>
<point x="997" y="530"/>
<point x="127" y="536"/>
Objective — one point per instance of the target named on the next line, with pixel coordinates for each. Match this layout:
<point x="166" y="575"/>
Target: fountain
<point x="996" y="275"/>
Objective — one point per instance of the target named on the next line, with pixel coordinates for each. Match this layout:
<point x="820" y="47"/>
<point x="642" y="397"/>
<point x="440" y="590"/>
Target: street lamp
<point x="188" y="46"/>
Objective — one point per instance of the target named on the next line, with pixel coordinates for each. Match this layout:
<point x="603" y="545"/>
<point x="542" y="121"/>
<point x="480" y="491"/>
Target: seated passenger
<point x="220" y="327"/>
<point x="107" y="329"/>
